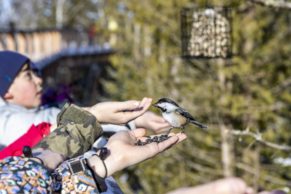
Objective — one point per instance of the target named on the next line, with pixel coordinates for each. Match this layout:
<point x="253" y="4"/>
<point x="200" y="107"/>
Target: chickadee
<point x="175" y="115"/>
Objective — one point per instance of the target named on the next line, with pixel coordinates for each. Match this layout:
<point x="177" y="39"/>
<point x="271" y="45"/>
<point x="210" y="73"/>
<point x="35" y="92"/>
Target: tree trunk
<point x="227" y="154"/>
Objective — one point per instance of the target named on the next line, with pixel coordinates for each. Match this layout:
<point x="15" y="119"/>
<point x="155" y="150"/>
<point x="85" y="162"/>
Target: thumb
<point x="140" y="132"/>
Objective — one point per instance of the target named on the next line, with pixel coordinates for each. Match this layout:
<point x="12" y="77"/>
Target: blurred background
<point x="95" y="50"/>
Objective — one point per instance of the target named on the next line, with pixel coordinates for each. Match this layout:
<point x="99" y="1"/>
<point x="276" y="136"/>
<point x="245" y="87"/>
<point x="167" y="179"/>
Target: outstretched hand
<point x="151" y="121"/>
<point x="124" y="152"/>
<point x="119" y="112"/>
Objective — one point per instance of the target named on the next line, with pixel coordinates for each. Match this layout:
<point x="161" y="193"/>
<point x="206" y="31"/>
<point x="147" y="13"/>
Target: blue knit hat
<point x="10" y="65"/>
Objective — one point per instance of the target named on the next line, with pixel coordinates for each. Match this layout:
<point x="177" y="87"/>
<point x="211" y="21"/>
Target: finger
<point x="168" y="143"/>
<point x="129" y="105"/>
<point x="158" y="118"/>
<point x="136" y="113"/>
<point x="140" y="132"/>
<point x="145" y="103"/>
<point x="162" y="120"/>
<point x="153" y="149"/>
<point x="181" y="136"/>
<point x="161" y="129"/>
<point x="134" y="105"/>
<point x="163" y="125"/>
<point x="140" y="104"/>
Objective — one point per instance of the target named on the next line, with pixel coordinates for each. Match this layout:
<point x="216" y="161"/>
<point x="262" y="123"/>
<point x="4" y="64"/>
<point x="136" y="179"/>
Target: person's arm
<point x="76" y="131"/>
<point x="78" y="128"/>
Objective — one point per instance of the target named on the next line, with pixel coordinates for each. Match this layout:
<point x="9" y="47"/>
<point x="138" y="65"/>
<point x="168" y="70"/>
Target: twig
<point x="258" y="137"/>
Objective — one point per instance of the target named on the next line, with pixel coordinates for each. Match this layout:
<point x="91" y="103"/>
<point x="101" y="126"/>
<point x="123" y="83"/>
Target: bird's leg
<point x="169" y="130"/>
<point x="182" y="129"/>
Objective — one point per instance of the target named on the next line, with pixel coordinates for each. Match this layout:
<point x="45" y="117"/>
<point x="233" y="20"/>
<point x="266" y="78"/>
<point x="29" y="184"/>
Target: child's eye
<point x="29" y="75"/>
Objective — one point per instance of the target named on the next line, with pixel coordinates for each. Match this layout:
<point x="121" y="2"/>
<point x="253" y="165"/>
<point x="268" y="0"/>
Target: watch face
<point x="76" y="166"/>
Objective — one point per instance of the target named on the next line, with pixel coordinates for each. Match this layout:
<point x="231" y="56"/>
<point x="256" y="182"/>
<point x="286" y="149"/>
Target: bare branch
<point x="274" y="3"/>
<point x="258" y="137"/>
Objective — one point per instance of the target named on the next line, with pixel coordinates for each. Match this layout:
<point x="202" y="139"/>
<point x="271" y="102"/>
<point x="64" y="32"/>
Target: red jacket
<point x="34" y="135"/>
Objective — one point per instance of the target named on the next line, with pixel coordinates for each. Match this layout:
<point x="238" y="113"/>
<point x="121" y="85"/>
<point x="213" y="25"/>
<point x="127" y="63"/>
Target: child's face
<point x="26" y="89"/>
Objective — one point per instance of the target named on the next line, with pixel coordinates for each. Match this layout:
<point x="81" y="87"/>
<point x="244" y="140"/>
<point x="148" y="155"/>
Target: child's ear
<point x="8" y="96"/>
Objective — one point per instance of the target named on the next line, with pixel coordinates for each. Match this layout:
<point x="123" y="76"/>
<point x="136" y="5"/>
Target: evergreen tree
<point x="249" y="91"/>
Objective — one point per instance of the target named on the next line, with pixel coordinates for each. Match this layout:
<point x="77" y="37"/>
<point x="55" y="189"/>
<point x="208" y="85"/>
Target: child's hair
<point x="10" y="64"/>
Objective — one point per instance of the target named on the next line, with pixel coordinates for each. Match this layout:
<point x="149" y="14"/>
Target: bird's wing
<point x="190" y="118"/>
<point x="185" y="114"/>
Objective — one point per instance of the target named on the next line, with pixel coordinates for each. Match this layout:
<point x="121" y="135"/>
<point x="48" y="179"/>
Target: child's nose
<point x="38" y="80"/>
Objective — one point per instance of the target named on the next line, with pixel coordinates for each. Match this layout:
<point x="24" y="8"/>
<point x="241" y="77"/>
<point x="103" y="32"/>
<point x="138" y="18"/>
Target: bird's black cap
<point x="161" y="100"/>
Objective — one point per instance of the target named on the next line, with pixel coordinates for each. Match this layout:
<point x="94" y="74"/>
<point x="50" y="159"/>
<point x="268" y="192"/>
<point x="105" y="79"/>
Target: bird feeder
<point x="206" y="33"/>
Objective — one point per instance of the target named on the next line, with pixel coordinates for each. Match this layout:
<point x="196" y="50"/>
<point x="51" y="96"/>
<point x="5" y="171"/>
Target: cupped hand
<point x="119" y="112"/>
<point x="151" y="121"/>
<point x="124" y="152"/>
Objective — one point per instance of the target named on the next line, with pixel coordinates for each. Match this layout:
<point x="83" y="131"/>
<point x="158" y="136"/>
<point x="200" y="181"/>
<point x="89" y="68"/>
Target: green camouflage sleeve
<point x="76" y="132"/>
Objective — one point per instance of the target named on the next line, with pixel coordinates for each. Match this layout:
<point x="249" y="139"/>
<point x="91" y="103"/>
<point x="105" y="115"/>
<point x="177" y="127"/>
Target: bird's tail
<point x="198" y="124"/>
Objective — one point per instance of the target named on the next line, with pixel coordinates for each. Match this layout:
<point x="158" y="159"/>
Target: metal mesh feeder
<point x="206" y="33"/>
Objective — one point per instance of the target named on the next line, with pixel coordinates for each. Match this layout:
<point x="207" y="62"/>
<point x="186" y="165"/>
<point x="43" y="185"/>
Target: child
<point x="21" y="88"/>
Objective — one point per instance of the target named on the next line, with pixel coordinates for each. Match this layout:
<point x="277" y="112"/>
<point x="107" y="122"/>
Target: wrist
<point x="94" y="111"/>
<point x="100" y="168"/>
<point x="45" y="157"/>
<point x="98" y="163"/>
<point x="88" y="109"/>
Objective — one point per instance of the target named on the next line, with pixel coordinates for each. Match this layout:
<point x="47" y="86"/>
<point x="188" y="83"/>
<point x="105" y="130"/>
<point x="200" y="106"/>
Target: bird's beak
<point x="155" y="105"/>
